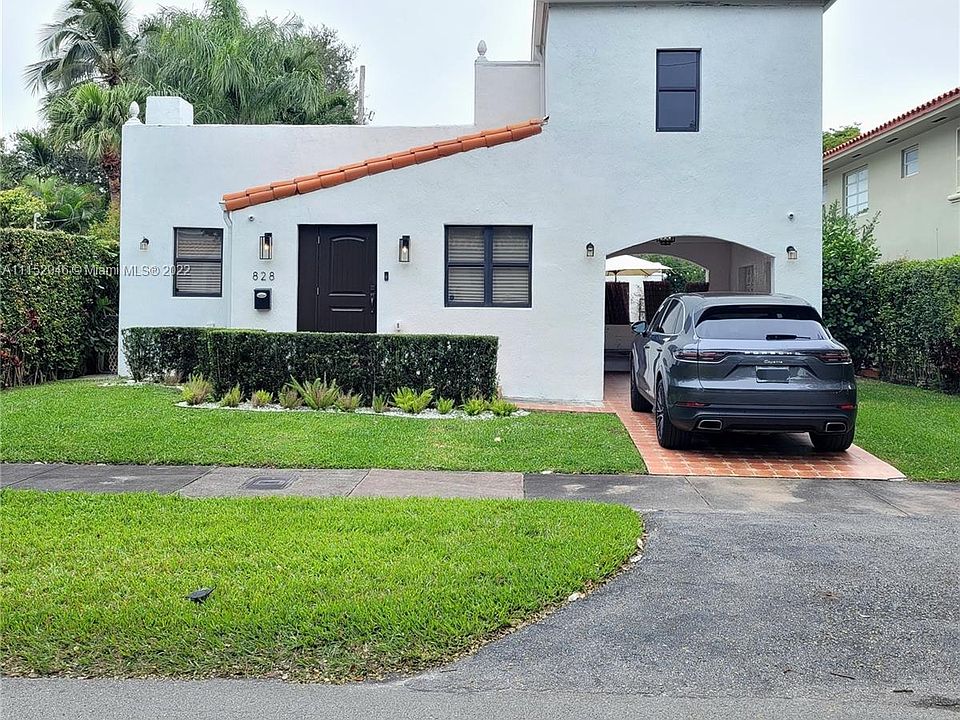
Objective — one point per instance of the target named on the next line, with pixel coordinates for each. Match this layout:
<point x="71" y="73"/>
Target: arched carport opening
<point x="730" y="267"/>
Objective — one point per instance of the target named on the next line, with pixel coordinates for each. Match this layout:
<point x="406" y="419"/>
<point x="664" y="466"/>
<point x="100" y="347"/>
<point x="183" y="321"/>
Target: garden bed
<point x="428" y="414"/>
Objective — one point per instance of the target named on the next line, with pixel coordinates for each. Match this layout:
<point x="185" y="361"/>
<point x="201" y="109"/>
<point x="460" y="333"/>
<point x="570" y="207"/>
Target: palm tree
<point x="88" y="42"/>
<point x="91" y="117"/>
<point x="236" y="71"/>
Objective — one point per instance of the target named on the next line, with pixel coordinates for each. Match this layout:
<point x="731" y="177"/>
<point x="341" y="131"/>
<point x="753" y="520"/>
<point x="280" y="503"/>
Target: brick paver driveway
<point x="774" y="456"/>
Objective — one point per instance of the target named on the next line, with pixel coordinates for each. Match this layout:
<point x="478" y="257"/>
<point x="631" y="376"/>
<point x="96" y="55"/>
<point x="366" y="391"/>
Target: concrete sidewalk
<point x="641" y="492"/>
<point x="206" y="481"/>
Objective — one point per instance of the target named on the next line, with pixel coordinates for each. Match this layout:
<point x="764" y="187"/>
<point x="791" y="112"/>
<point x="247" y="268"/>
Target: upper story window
<point x="856" y="196"/>
<point x="910" y="164"/>
<point x="198" y="262"/>
<point x="488" y="266"/>
<point x="678" y="90"/>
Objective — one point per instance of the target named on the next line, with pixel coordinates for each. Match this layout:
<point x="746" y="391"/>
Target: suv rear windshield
<point x="771" y="322"/>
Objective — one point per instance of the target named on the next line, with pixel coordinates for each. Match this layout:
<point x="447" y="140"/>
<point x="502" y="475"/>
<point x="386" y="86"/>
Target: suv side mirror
<point x="640" y="328"/>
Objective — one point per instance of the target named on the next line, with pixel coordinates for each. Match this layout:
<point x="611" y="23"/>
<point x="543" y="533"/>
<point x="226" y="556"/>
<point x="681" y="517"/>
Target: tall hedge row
<point x="47" y="287"/>
<point x="456" y="366"/>
<point x="918" y="318"/>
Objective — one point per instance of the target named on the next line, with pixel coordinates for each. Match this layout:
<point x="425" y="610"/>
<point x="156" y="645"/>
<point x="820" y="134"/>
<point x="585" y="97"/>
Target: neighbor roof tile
<point x="394" y="161"/>
<point x="925" y="109"/>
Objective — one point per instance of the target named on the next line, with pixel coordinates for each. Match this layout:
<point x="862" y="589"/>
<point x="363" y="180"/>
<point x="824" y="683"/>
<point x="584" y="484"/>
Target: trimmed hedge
<point x="919" y="320"/>
<point x="456" y="366"/>
<point x="48" y="288"/>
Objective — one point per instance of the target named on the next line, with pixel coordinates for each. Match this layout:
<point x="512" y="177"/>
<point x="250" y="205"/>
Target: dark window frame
<point x="177" y="261"/>
<point x="677" y="89"/>
<point x="488" y="266"/>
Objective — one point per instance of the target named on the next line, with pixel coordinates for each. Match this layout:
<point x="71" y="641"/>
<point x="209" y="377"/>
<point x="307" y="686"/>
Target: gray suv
<point x="712" y="362"/>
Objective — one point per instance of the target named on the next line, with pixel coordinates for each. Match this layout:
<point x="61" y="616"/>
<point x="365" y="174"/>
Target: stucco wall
<point x="916" y="220"/>
<point x="755" y="160"/>
<point x="599" y="173"/>
<point x="505" y="92"/>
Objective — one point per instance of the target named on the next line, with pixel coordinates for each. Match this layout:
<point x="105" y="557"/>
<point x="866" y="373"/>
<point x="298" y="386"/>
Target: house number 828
<point x="262" y="275"/>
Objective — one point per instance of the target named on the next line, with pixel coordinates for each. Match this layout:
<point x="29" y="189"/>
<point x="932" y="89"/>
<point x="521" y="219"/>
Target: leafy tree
<point x="69" y="207"/>
<point x="236" y="71"/>
<point x="18" y="208"/>
<point x="682" y="272"/>
<point x="834" y="137"/>
<point x="32" y="152"/>
<point x="91" y="117"/>
<point x="88" y="42"/>
<point x="850" y="258"/>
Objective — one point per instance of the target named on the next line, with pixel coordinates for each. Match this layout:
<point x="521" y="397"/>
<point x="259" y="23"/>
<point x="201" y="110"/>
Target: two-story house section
<point x="661" y="126"/>
<point x="908" y="171"/>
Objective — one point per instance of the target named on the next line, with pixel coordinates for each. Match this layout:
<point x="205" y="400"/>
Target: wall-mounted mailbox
<point x="261" y="299"/>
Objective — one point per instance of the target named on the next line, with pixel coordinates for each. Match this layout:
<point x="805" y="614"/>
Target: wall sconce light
<point x="145" y="244"/>
<point x="404" y="248"/>
<point x="666" y="240"/>
<point x="590" y="250"/>
<point x="792" y="253"/>
<point x="266" y="246"/>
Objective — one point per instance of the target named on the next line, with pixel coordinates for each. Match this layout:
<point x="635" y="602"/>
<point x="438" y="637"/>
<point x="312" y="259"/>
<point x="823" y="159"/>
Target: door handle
<point x="373" y="297"/>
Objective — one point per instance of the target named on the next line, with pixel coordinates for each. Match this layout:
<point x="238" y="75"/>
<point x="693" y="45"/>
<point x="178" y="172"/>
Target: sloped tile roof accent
<point x="926" y="108"/>
<point x="346" y="173"/>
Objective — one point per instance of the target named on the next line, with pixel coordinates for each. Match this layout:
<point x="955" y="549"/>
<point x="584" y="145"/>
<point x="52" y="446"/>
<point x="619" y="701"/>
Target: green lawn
<point x="308" y="589"/>
<point x="81" y="422"/>
<point x="917" y="431"/>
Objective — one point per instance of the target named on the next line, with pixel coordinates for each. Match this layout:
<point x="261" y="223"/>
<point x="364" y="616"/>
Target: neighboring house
<point x="908" y="170"/>
<point x="674" y="127"/>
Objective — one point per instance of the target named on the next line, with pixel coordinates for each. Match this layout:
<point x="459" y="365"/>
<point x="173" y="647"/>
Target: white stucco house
<point x="674" y="127"/>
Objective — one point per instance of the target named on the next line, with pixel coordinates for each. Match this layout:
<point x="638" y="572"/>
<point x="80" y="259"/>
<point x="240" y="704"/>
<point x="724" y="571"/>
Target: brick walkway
<point x="732" y="455"/>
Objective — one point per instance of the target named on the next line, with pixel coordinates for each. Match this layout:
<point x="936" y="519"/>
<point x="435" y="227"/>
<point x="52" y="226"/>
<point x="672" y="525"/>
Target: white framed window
<point x="910" y="161"/>
<point x="198" y="262"/>
<point x="856" y="191"/>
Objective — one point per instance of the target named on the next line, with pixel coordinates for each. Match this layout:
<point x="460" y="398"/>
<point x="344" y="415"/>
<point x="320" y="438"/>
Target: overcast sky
<point x="882" y="57"/>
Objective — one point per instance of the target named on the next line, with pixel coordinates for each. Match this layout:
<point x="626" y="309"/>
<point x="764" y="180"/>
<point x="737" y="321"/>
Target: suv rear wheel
<point x="668" y="435"/>
<point x="832" y="442"/>
<point x="638" y="403"/>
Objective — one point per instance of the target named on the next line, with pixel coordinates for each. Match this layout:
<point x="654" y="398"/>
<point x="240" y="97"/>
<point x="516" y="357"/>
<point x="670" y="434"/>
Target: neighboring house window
<point x="911" y="161"/>
<point x="488" y="266"/>
<point x="678" y="90"/>
<point x="856" y="196"/>
<point x="824" y="200"/>
<point x="198" y="262"/>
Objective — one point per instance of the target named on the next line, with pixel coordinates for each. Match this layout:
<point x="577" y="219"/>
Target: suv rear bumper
<point x="763" y="419"/>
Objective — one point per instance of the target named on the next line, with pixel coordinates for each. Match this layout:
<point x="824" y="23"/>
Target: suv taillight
<point x="834" y="357"/>
<point x="712" y="356"/>
<point x="691" y="354"/>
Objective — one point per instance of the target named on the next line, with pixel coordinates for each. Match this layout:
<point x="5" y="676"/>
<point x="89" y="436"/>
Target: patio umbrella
<point x="633" y="267"/>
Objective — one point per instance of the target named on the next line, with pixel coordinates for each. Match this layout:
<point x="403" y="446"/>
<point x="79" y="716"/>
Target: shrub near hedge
<point x="456" y="366"/>
<point x="48" y="286"/>
<point x="919" y="321"/>
<point x="151" y="352"/>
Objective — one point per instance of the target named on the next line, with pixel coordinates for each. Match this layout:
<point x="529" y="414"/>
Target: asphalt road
<point x="775" y="608"/>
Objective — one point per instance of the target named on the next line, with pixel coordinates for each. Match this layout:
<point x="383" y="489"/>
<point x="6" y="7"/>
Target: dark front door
<point x="338" y="278"/>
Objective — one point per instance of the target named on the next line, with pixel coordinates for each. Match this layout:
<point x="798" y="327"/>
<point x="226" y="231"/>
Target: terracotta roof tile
<point x="920" y="111"/>
<point x="394" y="161"/>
